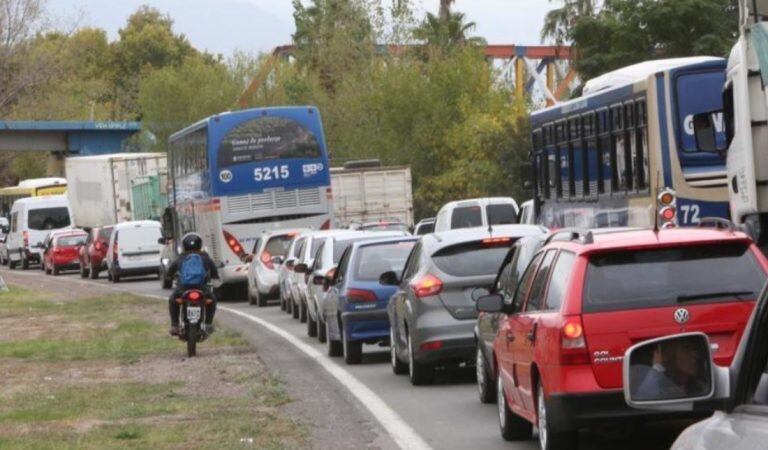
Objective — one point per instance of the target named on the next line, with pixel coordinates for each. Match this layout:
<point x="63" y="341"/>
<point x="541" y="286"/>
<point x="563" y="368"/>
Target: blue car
<point x="356" y="299"/>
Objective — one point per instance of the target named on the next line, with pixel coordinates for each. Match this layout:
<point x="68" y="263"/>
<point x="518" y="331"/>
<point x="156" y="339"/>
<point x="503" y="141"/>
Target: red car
<point x="94" y="251"/>
<point x="61" y="251"/>
<point x="588" y="296"/>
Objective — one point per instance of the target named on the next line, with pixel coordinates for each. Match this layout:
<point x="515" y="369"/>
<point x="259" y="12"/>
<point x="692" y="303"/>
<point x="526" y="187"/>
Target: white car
<point x="32" y="219"/>
<point x="476" y="212"/>
<point x="267" y="257"/>
<point x="425" y="226"/>
<point x="134" y="249"/>
<point x="527" y="216"/>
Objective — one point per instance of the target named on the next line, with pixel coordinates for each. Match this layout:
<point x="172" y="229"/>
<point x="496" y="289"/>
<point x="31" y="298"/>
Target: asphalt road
<point x="447" y="415"/>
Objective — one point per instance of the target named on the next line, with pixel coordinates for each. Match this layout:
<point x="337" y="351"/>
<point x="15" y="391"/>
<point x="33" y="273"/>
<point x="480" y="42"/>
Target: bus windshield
<point x="698" y="92"/>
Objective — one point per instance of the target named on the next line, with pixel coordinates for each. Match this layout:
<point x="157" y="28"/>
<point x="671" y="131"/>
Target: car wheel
<point x="486" y="388"/>
<point x="311" y="326"/>
<point x="94" y="272"/>
<point x="115" y="277"/>
<point x="24" y="263"/>
<point x="261" y="300"/>
<point x="84" y="271"/>
<point x="512" y="426"/>
<point x="283" y="305"/>
<point x="252" y="300"/>
<point x="46" y="268"/>
<point x="55" y="270"/>
<point x="353" y="350"/>
<point x="549" y="440"/>
<point x="320" y="330"/>
<point x="398" y="367"/>
<point x="302" y="312"/>
<point x="294" y="310"/>
<point x="334" y="347"/>
<point x="419" y="373"/>
<point x="11" y="264"/>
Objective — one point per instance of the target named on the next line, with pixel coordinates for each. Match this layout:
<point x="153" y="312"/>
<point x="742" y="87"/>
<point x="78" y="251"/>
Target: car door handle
<point x="532" y="334"/>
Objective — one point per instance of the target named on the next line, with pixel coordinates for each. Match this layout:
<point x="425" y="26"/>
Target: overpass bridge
<point x="61" y="139"/>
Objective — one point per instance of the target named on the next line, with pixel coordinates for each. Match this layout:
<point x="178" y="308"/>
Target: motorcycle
<point x="193" y="302"/>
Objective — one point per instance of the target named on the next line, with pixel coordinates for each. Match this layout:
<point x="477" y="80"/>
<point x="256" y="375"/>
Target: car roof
<point x="619" y="239"/>
<point x="391" y="240"/>
<point x="69" y="231"/>
<point x="47" y="199"/>
<point x="460" y="235"/>
<point x="427" y="220"/>
<point x="365" y="234"/>
<point x="136" y="223"/>
<point x="482" y="201"/>
<point x="295" y="231"/>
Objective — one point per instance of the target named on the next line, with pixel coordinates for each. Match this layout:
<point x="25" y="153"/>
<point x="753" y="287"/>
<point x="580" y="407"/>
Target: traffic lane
<point x="447" y="414"/>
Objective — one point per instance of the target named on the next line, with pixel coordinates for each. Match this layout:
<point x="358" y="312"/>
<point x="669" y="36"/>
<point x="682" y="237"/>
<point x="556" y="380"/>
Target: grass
<point x="75" y="384"/>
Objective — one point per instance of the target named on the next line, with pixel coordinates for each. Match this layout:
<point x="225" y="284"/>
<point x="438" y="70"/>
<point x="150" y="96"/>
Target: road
<point x="447" y="415"/>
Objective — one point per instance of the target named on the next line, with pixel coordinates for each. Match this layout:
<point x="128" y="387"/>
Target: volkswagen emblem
<point x="682" y="316"/>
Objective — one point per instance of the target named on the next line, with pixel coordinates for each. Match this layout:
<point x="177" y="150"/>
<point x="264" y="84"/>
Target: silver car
<point x="432" y="315"/>
<point x="266" y="262"/>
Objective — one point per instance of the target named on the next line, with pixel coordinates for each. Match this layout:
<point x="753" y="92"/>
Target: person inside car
<point x="195" y="269"/>
<point x="674" y="373"/>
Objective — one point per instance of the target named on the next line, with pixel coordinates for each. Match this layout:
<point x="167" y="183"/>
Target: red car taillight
<point x="573" y="346"/>
<point x="266" y="259"/>
<point x="360" y="296"/>
<point x="326" y="225"/>
<point x="97" y="246"/>
<point x="426" y="286"/>
<point x="234" y="244"/>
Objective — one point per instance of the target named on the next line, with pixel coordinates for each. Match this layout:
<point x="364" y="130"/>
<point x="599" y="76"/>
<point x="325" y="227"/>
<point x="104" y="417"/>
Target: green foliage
<point x="28" y="165"/>
<point x="442" y="35"/>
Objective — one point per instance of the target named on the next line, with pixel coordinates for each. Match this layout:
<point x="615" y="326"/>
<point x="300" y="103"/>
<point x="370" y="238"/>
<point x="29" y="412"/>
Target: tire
<point x="420" y="374"/>
<point x="261" y="300"/>
<point x="283" y="303"/>
<point x="94" y="273"/>
<point x="46" y="269"/>
<point x="192" y="333"/>
<point x="321" y="330"/>
<point x="511" y="426"/>
<point x="251" y="299"/>
<point x="334" y="347"/>
<point x="311" y="327"/>
<point x="115" y="277"/>
<point x="353" y="350"/>
<point x="11" y="264"/>
<point x="55" y="270"/>
<point x="165" y="283"/>
<point x="84" y="271"/>
<point x="548" y="439"/>
<point x="24" y="263"/>
<point x="294" y="310"/>
<point x="398" y="367"/>
<point x="486" y="385"/>
<point x="302" y="312"/>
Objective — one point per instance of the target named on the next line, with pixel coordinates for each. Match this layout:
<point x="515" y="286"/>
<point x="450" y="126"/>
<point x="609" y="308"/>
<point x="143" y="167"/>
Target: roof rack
<point x="571" y="234"/>
<point x="717" y="223"/>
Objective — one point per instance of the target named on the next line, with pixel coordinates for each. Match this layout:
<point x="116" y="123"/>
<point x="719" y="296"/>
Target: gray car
<point x="432" y="314"/>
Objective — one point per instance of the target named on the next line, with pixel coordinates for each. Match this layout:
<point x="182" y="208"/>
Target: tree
<point x="559" y="22"/>
<point x="444" y="34"/>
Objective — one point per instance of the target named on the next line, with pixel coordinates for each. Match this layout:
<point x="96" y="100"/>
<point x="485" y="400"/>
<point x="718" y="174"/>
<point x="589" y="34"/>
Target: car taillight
<point x="98" y="246"/>
<point x="234" y="244"/>
<point x="431" y="346"/>
<point x="326" y="225"/>
<point x="25" y="236"/>
<point x="426" y="286"/>
<point x="573" y="346"/>
<point x="360" y="295"/>
<point x="496" y="241"/>
<point x="266" y="259"/>
<point x="667" y="208"/>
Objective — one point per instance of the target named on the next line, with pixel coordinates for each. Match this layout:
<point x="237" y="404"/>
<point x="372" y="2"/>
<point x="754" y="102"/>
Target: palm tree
<point x="559" y="21"/>
<point x="445" y="34"/>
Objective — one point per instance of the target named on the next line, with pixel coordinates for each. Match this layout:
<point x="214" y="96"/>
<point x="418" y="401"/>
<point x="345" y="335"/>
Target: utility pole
<point x="445" y="10"/>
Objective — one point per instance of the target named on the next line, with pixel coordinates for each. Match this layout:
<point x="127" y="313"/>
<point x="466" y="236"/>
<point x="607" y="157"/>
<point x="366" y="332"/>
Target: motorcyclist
<point x="192" y="244"/>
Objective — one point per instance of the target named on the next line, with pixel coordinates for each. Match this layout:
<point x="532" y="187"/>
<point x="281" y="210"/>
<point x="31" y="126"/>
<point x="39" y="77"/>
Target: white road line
<point x="405" y="436"/>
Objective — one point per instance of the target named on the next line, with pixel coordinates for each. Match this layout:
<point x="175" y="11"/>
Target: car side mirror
<point x="248" y="258"/>
<point x="277" y="260"/>
<point x="300" y="268"/>
<point x="290" y="263"/>
<point x="389" y="279"/>
<point x="318" y="280"/>
<point x="491" y="303"/>
<point x="162" y="241"/>
<point x="330" y="278"/>
<point x="672" y="372"/>
<point x="705" y="132"/>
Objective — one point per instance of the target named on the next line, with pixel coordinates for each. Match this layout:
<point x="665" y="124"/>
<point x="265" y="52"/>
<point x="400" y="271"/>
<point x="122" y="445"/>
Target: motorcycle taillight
<point x="193" y="296"/>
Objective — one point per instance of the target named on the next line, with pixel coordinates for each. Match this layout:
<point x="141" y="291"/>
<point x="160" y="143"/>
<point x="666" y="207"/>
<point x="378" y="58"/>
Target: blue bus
<point x="237" y="174"/>
<point x="624" y="154"/>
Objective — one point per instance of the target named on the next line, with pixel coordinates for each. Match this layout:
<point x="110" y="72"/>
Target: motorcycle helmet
<point x="192" y="242"/>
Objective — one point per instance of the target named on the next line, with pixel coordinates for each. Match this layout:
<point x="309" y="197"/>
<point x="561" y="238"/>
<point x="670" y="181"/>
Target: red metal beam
<point x="491" y="51"/>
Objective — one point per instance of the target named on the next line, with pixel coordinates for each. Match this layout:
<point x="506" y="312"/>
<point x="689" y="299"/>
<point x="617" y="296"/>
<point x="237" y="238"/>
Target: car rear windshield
<point x="48" y="218"/>
<point x="385" y="227"/>
<point x="671" y="276"/>
<point x="105" y="233"/>
<point x="501" y="214"/>
<point x="472" y="258"/>
<point x="426" y="228"/>
<point x="70" y="241"/>
<point x="466" y="217"/>
<point x="373" y="260"/>
<point x="144" y="236"/>
<point x="279" y="245"/>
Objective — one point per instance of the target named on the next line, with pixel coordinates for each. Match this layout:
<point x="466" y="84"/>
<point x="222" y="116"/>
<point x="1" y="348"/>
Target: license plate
<point x="193" y="314"/>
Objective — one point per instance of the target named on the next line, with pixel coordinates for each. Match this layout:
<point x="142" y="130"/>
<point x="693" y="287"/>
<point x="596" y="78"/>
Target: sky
<point x="223" y="26"/>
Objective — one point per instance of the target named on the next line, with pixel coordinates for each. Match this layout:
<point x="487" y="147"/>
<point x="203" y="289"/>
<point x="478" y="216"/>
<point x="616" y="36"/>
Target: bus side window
<point x="561" y="144"/>
<point x="551" y="160"/>
<point x="575" y="175"/>
<point x="641" y="144"/>
<point x="630" y="149"/>
<point x="617" y="144"/>
<point x="586" y="151"/>
<point x="603" y="151"/>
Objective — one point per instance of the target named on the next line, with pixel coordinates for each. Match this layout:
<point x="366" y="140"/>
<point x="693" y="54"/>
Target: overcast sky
<point x="222" y="26"/>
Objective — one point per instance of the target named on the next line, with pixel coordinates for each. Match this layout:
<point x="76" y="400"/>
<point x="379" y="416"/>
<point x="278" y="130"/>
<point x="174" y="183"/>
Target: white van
<point x="476" y="212"/>
<point x="134" y="249"/>
<point x="32" y="219"/>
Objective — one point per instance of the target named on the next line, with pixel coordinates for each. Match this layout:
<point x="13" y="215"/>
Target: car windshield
<point x="279" y="245"/>
<point x="48" y="218"/>
<point x="472" y="258"/>
<point x="70" y="241"/>
<point x="385" y="227"/>
<point x="501" y="214"/>
<point x="426" y="228"/>
<point x="667" y="277"/>
<point x="373" y="260"/>
<point x="466" y="217"/>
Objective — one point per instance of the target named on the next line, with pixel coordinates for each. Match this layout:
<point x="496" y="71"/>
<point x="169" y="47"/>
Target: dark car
<point x="357" y="299"/>
<point x="512" y="268"/>
<point x="432" y="314"/>
<point x="93" y="252"/>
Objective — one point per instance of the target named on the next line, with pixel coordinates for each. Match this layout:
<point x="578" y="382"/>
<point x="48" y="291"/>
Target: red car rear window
<point x="671" y="276"/>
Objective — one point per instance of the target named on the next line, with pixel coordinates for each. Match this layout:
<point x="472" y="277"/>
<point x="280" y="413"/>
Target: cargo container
<point x="99" y="187"/>
<point x="149" y="196"/>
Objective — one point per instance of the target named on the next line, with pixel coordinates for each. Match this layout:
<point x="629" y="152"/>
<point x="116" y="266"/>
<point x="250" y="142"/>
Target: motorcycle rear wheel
<point x="192" y="332"/>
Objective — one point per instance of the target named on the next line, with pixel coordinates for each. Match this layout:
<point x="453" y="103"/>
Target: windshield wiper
<point x="691" y="297"/>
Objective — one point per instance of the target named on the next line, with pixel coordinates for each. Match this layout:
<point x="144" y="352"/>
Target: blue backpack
<point x="192" y="271"/>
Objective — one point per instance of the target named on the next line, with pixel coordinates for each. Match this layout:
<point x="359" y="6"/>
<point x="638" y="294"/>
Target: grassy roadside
<point x="102" y="373"/>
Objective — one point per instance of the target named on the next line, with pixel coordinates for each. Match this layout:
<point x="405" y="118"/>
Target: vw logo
<point x="682" y="316"/>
